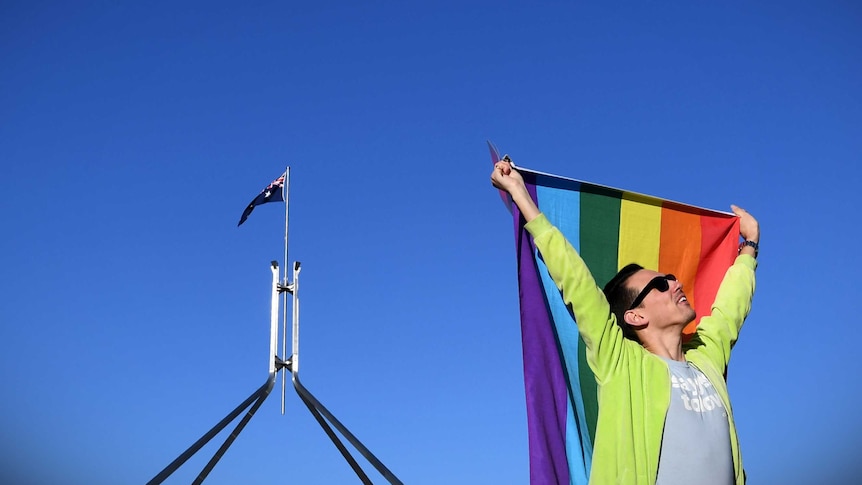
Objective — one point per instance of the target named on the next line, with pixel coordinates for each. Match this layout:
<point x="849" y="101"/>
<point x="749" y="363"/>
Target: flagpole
<point x="285" y="195"/>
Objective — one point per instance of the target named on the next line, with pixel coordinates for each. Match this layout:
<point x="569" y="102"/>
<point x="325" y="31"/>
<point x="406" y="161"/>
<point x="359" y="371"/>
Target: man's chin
<point x="692" y="315"/>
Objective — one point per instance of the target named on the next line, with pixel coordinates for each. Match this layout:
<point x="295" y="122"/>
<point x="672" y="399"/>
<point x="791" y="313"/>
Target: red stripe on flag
<point x="718" y="250"/>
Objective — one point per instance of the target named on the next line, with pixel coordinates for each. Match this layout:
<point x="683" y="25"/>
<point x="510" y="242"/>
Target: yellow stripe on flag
<point x="640" y="232"/>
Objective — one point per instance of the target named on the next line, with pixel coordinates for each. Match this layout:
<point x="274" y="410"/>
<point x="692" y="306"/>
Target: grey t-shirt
<point x="695" y="447"/>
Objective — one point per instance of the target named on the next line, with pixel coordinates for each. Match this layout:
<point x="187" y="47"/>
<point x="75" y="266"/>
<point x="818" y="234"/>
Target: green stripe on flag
<point x="600" y="225"/>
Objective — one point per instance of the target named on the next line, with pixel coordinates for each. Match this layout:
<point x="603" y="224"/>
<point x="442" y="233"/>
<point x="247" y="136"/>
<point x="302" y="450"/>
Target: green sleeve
<point x="596" y="324"/>
<point x="717" y="333"/>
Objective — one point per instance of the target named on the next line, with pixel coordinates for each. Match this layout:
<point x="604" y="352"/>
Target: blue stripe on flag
<point x="562" y="207"/>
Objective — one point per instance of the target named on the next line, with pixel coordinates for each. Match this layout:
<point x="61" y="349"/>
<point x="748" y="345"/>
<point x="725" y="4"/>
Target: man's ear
<point x="636" y="318"/>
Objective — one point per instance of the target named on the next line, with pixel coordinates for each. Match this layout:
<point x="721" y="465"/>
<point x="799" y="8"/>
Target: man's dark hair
<point x="621" y="297"/>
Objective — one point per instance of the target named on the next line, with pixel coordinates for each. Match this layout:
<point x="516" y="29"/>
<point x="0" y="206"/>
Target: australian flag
<point x="274" y="192"/>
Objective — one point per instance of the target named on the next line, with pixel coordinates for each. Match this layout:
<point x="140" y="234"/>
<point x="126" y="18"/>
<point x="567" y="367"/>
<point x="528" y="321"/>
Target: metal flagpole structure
<point x="323" y="416"/>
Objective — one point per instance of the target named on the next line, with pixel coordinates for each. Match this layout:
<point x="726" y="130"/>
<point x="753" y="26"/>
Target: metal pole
<point x="317" y="406"/>
<point x="273" y="318"/>
<point x="294" y="358"/>
<point x="258" y="395"/>
<point x="286" y="197"/>
<point x="319" y="411"/>
<point x="264" y="392"/>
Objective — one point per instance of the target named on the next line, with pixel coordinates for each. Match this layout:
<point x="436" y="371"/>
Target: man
<point x="664" y="412"/>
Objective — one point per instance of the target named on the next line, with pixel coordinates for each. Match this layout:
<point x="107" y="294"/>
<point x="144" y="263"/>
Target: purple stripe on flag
<point x="543" y="373"/>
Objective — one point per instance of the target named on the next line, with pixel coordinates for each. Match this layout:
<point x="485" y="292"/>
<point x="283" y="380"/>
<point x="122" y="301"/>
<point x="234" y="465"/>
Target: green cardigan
<point x="634" y="384"/>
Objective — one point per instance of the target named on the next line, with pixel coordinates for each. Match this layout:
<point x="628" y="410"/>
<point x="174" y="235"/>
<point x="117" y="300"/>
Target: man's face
<point x="662" y="308"/>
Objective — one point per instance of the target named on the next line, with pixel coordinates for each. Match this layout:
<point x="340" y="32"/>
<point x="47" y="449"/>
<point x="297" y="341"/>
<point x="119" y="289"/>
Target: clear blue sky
<point x="135" y="314"/>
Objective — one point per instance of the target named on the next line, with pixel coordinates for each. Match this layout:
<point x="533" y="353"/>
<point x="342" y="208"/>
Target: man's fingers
<point x="504" y="167"/>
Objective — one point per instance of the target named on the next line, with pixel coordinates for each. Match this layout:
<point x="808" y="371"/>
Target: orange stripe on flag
<point x="680" y="250"/>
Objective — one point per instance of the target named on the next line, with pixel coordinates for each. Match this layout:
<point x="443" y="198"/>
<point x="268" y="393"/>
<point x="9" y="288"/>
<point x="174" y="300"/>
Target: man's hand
<point x="506" y="178"/>
<point x="749" y="229"/>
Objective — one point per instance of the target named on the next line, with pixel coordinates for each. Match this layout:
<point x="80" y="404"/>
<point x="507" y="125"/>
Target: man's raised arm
<point x="596" y="324"/>
<point x="717" y="332"/>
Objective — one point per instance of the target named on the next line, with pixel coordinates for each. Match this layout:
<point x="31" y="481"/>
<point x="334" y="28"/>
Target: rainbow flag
<point x="609" y="228"/>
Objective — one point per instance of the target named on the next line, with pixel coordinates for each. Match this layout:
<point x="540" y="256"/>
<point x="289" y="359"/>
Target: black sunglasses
<point x="660" y="283"/>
